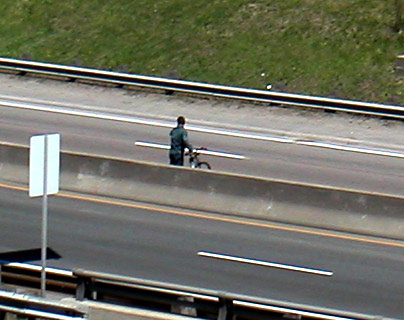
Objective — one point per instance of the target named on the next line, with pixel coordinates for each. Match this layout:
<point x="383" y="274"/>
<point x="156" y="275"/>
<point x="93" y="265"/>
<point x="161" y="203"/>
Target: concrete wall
<point x="231" y="194"/>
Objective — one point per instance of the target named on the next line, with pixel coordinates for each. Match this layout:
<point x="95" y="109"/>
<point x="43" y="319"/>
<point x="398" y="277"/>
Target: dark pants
<point x="176" y="159"/>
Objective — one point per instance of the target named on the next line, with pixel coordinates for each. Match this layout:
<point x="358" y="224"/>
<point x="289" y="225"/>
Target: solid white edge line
<point x="129" y="119"/>
<point x="87" y="114"/>
<point x="239" y="134"/>
<point x="223" y="132"/>
<point x="290" y="311"/>
<point x="265" y="263"/>
<point x="351" y="149"/>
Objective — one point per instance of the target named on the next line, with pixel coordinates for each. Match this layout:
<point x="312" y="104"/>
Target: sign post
<point x="44" y="163"/>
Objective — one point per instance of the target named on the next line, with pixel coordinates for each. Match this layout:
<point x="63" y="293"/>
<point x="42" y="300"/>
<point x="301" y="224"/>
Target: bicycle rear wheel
<point x="203" y="165"/>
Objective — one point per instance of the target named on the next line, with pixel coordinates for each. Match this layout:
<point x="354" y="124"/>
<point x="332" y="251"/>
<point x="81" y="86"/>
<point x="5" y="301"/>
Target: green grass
<point x="334" y="48"/>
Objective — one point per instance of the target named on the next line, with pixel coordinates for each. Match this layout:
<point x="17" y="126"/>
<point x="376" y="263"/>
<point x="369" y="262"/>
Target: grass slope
<point x="335" y="48"/>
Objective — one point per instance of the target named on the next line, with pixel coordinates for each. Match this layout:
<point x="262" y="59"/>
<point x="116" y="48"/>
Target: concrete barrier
<point x="254" y="197"/>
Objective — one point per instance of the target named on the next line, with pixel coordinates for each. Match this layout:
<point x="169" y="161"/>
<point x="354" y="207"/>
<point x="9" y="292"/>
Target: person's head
<point x="180" y="120"/>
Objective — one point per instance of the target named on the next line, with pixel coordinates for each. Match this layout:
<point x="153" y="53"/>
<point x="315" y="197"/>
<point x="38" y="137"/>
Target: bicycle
<point x="194" y="160"/>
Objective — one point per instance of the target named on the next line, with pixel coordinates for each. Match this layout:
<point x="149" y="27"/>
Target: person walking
<point x="179" y="141"/>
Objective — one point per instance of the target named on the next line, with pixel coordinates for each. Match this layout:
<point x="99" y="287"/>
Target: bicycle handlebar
<point x="195" y="150"/>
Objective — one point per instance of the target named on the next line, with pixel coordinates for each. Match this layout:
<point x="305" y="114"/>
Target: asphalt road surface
<point x="163" y="244"/>
<point x="279" y="160"/>
<point x="127" y="239"/>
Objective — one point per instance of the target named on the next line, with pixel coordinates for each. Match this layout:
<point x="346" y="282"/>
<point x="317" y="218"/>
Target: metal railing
<point x="167" y="297"/>
<point x="172" y="85"/>
<point x="29" y="275"/>
<point x="207" y="304"/>
<point x="31" y="306"/>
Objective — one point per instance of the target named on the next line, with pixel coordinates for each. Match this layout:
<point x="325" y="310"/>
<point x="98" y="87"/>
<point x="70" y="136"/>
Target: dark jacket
<point x="179" y="141"/>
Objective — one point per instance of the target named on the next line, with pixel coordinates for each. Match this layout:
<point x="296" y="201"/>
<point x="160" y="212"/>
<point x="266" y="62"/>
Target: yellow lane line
<point x="266" y="225"/>
<point x="6" y="186"/>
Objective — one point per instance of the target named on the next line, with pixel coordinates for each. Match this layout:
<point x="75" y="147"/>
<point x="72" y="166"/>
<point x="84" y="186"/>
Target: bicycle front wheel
<point x="203" y="165"/>
<point x="193" y="164"/>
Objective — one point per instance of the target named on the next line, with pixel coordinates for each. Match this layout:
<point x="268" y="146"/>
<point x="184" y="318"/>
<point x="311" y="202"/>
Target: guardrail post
<point x="2" y="315"/>
<point x="84" y="288"/>
<point x="225" y="309"/>
<point x="184" y="306"/>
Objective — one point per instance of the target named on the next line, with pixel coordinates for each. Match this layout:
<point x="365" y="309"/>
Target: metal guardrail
<point x="34" y="307"/>
<point x="207" y="304"/>
<point x="167" y="297"/>
<point x="171" y="85"/>
<point x="28" y="275"/>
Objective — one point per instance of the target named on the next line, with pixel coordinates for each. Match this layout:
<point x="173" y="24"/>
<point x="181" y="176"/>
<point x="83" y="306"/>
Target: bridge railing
<point x="192" y="301"/>
<point x="159" y="296"/>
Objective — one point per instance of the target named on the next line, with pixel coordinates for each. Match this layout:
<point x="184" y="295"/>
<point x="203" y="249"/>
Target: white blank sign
<point x="37" y="164"/>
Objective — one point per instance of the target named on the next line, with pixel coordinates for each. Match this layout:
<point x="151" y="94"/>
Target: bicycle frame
<point x="194" y="161"/>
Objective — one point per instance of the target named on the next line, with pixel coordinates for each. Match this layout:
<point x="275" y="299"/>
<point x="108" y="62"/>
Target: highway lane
<point x="265" y="158"/>
<point x="162" y="244"/>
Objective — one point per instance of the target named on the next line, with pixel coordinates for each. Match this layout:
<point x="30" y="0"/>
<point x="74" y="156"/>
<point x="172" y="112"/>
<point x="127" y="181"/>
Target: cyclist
<point x="179" y="141"/>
